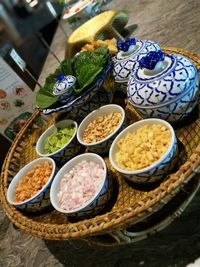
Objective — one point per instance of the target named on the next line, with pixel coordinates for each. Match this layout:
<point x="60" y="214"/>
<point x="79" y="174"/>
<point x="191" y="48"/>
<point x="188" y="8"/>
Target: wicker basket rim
<point x="112" y="220"/>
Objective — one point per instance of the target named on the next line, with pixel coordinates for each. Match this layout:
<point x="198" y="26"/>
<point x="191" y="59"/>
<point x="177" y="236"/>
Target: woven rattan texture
<point x="129" y="206"/>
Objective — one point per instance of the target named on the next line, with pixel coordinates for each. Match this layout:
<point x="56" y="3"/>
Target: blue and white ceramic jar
<point x="126" y="60"/>
<point x="164" y="86"/>
<point x="63" y="87"/>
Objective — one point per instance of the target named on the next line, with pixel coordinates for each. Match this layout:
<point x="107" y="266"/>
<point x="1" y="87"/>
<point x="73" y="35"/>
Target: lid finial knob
<point x="151" y="59"/>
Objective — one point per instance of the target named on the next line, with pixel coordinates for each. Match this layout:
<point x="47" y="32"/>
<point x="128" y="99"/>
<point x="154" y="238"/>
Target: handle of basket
<point x="125" y="236"/>
<point x="197" y="170"/>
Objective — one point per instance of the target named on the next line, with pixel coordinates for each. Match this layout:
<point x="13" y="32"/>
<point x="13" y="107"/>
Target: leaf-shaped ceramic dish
<point x="80" y="100"/>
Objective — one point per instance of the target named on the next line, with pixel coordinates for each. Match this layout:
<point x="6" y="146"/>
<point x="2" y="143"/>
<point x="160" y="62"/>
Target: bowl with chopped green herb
<point x="59" y="141"/>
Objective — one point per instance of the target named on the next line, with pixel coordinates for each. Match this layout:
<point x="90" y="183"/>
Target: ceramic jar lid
<point x="160" y="79"/>
<point x="63" y="88"/>
<point x="130" y="52"/>
<point x="63" y="84"/>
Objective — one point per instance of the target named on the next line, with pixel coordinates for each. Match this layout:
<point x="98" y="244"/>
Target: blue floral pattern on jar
<point x="126" y="62"/>
<point x="63" y="84"/>
<point x="169" y="94"/>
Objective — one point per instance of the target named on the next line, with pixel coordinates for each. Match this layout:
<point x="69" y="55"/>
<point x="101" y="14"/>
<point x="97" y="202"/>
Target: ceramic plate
<point x="75" y="101"/>
<point x="76" y="8"/>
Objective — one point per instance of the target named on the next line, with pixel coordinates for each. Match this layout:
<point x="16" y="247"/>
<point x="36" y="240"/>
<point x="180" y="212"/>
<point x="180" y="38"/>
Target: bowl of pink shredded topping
<point x="82" y="186"/>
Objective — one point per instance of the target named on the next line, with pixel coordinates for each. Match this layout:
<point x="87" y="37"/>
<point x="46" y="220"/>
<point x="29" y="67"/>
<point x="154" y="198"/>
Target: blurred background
<point x="28" y="26"/>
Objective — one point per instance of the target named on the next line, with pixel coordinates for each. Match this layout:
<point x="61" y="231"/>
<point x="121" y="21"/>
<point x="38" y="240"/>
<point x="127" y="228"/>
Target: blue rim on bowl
<point x="133" y="174"/>
<point x="21" y="174"/>
<point x="102" y="111"/>
<point x="41" y="141"/>
<point x="65" y="169"/>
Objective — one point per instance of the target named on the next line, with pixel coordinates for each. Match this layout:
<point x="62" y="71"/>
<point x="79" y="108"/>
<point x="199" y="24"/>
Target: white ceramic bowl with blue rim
<point x="102" y="146"/>
<point x="169" y="90"/>
<point x="158" y="169"/>
<point x="98" y="202"/>
<point x="126" y="62"/>
<point x="41" y="200"/>
<point x="67" y="151"/>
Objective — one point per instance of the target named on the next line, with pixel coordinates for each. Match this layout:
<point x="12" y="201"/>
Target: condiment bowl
<point x="103" y="145"/>
<point x="98" y="202"/>
<point x="67" y="151"/>
<point x="156" y="170"/>
<point x="39" y="201"/>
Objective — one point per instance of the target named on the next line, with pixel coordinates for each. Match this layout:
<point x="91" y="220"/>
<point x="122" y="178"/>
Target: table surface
<point x="173" y="23"/>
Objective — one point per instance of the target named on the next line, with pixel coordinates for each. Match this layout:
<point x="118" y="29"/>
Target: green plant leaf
<point x="87" y="75"/>
<point x="86" y="67"/>
<point x="45" y="97"/>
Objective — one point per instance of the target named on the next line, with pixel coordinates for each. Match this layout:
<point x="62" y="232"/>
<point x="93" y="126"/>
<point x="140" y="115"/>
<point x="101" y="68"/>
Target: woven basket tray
<point x="130" y="205"/>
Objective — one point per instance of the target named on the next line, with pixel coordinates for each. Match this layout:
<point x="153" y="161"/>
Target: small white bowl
<point x="97" y="202"/>
<point x="158" y="169"/>
<point x="68" y="151"/>
<point x="39" y="201"/>
<point x="103" y="145"/>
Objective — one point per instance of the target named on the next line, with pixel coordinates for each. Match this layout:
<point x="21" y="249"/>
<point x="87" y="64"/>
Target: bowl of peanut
<point x="145" y="151"/>
<point x="99" y="128"/>
<point x="29" y="190"/>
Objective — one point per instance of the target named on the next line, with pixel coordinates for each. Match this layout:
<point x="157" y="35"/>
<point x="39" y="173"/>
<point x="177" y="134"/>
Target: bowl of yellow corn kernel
<point x="145" y="151"/>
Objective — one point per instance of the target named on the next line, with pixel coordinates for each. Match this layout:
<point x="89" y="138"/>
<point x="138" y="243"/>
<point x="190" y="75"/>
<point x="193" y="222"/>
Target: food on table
<point x="33" y="181"/>
<point x="20" y="91"/>
<point x="86" y="66"/>
<point x="3" y="121"/>
<point x="80" y="184"/>
<point x="18" y="103"/>
<point x="140" y="149"/>
<point x="2" y="93"/>
<point x="5" y="105"/>
<point x="101" y="127"/>
<point x="111" y="44"/>
<point x="59" y="138"/>
<point x="17" y="124"/>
